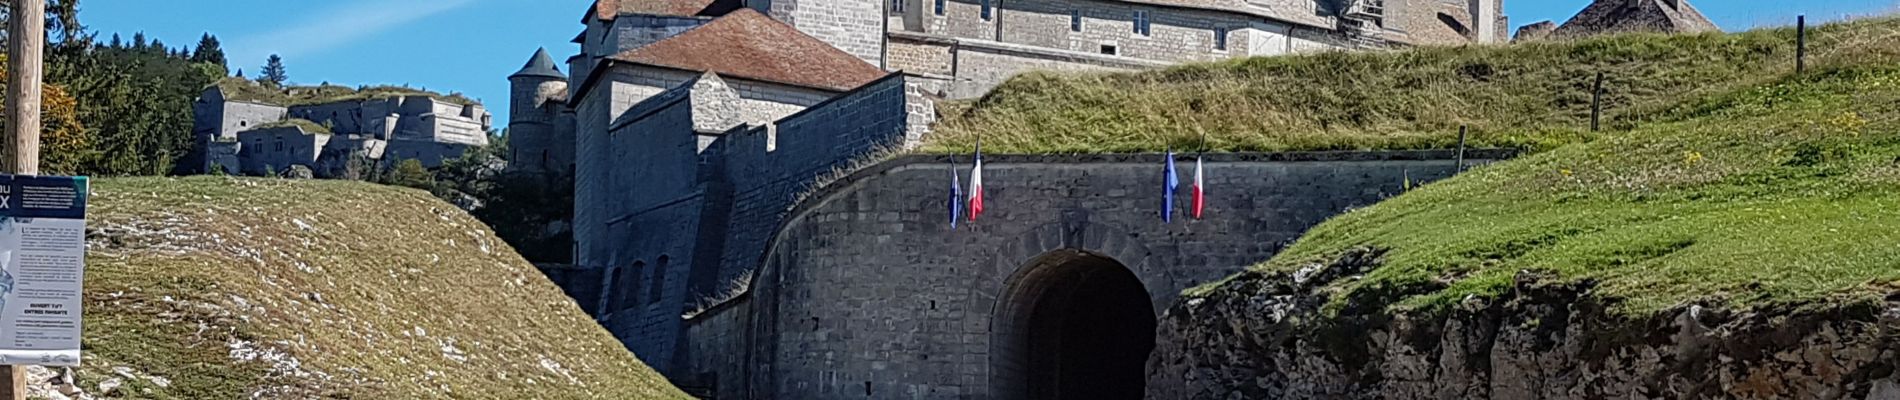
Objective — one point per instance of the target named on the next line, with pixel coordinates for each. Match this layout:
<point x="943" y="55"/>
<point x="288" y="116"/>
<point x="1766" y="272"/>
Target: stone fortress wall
<point x="717" y="233"/>
<point x="694" y="209"/>
<point x="249" y="137"/>
<point x="684" y="180"/>
<point x="865" y="287"/>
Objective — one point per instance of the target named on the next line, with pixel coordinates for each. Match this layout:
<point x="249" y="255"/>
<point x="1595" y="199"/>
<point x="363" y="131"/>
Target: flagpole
<point x="1203" y="143"/>
<point x="956" y="194"/>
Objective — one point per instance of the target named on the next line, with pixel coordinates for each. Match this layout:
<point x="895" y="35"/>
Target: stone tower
<point x="534" y="121"/>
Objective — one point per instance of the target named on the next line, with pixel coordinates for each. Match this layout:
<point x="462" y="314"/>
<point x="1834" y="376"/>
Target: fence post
<point x="1462" y="131"/>
<point x="1596" y="104"/>
<point x="25" y="43"/>
<point x="1801" y="44"/>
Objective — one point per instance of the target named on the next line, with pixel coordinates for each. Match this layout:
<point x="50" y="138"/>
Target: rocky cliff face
<point x="1264" y="336"/>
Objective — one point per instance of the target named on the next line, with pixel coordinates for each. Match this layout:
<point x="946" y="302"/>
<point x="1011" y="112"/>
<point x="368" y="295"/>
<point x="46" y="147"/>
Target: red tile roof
<point x="608" y="10"/>
<point x="749" y="45"/>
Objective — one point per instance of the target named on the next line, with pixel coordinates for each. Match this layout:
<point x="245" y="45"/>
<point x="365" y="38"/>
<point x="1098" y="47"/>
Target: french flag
<point x="1200" y="197"/>
<point x="976" y="184"/>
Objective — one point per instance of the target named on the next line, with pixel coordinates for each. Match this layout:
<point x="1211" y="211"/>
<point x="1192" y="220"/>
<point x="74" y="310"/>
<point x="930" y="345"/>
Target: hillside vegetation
<point x="1534" y="95"/>
<point x="1773" y="190"/>
<point x="221" y="288"/>
<point x="248" y="90"/>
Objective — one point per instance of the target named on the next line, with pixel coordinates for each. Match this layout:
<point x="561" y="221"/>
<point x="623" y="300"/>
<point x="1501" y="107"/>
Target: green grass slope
<point x="220" y="288"/>
<point x="1780" y="191"/>
<point x="1534" y="95"/>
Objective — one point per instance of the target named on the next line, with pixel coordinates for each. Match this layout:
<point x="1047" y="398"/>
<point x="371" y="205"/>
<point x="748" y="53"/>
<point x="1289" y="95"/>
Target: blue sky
<point x="471" y="46"/>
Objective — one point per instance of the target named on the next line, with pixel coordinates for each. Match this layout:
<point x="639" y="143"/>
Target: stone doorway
<point x="1071" y="325"/>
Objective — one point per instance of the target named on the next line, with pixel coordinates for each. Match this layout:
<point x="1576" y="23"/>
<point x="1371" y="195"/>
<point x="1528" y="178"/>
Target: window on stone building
<point x="1110" y="49"/>
<point x="897" y="6"/>
<point x="1141" y="23"/>
<point x="625" y="288"/>
<point x="986" y="10"/>
<point x="279" y="146"/>
<point x="610" y="302"/>
<point x="659" y="281"/>
<point x="1075" y="20"/>
<point x="938" y="7"/>
<point x="1220" y="39"/>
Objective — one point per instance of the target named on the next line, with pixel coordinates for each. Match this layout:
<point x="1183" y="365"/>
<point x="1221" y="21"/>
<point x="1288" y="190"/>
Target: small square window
<point x="938" y="7"/>
<point x="1220" y="39"/>
<point x="1110" y="49"/>
<point x="1075" y="20"/>
<point x="986" y="10"/>
<point x="897" y="6"/>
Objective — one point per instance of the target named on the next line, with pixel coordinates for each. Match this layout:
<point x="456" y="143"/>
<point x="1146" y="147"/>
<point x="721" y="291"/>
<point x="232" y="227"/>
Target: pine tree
<point x="62" y="22"/>
<point x="116" y="42"/>
<point x="410" y="172"/>
<point x="138" y="41"/>
<point x="209" y="51"/>
<point x="274" y="71"/>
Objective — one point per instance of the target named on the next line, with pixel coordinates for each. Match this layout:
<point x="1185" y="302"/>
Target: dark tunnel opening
<point x="1079" y="326"/>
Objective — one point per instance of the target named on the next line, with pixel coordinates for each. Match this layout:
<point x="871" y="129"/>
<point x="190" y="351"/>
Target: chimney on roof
<point x="1484" y="21"/>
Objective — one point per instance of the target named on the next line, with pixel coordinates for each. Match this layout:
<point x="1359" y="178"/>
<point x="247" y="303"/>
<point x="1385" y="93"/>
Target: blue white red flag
<point x="1200" y="197"/>
<point x="976" y="183"/>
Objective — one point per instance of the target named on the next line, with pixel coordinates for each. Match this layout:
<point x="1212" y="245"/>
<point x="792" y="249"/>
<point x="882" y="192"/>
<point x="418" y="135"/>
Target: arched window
<point x="659" y="281"/>
<point x="626" y="286"/>
<point x="609" y="289"/>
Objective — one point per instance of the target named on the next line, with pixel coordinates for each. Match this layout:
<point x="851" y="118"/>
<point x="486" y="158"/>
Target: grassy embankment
<point x="221" y="288"/>
<point x="1722" y="177"/>
<point x="1534" y="95"/>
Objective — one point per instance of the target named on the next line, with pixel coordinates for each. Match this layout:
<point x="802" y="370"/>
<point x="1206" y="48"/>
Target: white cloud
<point x="342" y="25"/>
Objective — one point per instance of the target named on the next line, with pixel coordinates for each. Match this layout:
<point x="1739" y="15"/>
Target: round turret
<point x="531" y="121"/>
<point x="538" y="82"/>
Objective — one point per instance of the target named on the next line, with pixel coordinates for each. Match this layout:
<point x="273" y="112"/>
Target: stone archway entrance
<point x="1071" y="325"/>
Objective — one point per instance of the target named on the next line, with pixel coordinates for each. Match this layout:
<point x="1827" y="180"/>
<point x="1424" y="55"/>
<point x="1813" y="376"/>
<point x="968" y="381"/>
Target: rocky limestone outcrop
<point x="1263" y="336"/>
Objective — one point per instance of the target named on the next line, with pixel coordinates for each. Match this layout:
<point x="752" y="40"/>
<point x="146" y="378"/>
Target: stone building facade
<point x="236" y="134"/>
<point x="971" y="46"/>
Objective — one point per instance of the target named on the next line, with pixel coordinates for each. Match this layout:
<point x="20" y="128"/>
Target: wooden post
<point x="1800" y="44"/>
<point x="21" y="152"/>
<point x="1596" y="104"/>
<point x="1462" y="130"/>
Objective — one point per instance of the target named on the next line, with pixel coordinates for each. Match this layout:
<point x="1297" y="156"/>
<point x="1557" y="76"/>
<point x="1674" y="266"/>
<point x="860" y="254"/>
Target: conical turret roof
<point x="541" y="65"/>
